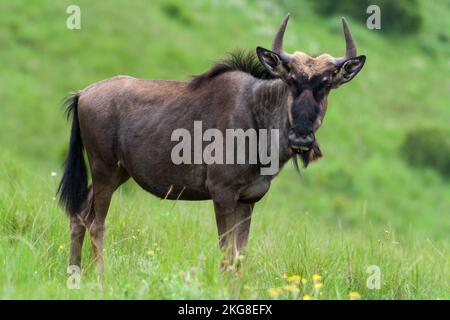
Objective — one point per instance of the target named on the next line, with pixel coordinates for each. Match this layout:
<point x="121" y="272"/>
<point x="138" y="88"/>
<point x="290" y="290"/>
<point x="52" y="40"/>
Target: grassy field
<point x="361" y="205"/>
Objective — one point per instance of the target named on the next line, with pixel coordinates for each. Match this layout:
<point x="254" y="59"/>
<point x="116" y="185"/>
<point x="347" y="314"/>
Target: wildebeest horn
<point x="277" y="45"/>
<point x="350" y="46"/>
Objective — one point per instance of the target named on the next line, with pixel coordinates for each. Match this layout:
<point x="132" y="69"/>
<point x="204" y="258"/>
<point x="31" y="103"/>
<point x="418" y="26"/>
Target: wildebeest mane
<point x="239" y="60"/>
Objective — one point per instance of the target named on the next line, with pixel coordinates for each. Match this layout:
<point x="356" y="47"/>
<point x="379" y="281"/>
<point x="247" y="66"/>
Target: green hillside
<point x="363" y="204"/>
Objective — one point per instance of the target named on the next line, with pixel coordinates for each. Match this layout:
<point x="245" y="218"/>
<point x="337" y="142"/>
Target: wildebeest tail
<point x="73" y="187"/>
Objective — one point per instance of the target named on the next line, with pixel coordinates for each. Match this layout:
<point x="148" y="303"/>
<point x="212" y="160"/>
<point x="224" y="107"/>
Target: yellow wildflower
<point x="274" y="292"/>
<point x="150" y="253"/>
<point x="316" y="277"/>
<point x="291" y="288"/>
<point x="307" y="297"/>
<point x="354" y="295"/>
<point x="318" y="286"/>
<point x="304" y="281"/>
<point x="294" y="279"/>
<point x="61" y="247"/>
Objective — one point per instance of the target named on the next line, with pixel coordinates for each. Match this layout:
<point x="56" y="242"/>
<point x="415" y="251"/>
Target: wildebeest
<point x="125" y="126"/>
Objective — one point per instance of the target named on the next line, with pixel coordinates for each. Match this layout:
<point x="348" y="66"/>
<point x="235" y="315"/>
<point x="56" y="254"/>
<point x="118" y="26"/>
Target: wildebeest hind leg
<point x="78" y="224"/>
<point x="77" y="232"/>
<point x="104" y="183"/>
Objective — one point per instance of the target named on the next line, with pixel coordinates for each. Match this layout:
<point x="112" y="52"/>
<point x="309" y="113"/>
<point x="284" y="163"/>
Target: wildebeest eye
<point x="325" y="82"/>
<point x="293" y="76"/>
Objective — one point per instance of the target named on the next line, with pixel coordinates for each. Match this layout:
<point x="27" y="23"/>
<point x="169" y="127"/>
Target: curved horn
<point x="277" y="44"/>
<point x="350" y="46"/>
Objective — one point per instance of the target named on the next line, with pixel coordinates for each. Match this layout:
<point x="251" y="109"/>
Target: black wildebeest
<point x="125" y="125"/>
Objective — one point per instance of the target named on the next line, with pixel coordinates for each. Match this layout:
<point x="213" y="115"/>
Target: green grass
<point x="361" y="205"/>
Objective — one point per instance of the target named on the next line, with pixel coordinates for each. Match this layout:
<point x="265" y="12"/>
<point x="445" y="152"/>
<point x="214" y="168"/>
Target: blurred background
<point x="385" y="175"/>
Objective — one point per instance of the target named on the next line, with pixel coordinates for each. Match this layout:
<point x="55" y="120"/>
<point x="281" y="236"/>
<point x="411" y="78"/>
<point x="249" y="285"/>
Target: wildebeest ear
<point x="348" y="70"/>
<point x="272" y="62"/>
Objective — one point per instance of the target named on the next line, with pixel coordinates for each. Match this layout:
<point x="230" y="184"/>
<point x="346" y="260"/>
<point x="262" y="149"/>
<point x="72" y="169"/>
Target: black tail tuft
<point x="73" y="187"/>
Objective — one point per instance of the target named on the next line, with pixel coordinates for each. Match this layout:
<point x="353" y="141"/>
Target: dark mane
<point x="245" y="61"/>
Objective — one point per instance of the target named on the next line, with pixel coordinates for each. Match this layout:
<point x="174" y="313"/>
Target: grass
<point x="361" y="205"/>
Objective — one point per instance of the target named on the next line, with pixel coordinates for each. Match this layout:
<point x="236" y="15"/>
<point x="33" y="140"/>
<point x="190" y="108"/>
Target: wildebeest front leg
<point x="243" y="214"/>
<point x="233" y="225"/>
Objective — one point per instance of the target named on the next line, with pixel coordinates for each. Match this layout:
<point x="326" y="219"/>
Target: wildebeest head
<point x="310" y="80"/>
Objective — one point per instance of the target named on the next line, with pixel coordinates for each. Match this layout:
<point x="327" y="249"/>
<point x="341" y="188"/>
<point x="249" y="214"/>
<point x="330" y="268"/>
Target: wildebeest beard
<point x="307" y="156"/>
